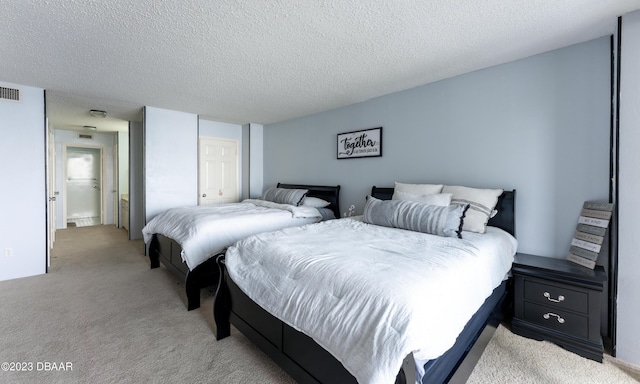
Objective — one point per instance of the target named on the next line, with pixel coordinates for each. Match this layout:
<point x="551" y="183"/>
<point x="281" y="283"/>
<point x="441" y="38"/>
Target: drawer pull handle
<point x="547" y="315"/>
<point x="548" y="296"/>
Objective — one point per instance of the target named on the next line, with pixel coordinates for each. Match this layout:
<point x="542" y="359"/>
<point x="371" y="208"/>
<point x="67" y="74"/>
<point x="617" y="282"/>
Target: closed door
<point x="84" y="186"/>
<point x="218" y="171"/>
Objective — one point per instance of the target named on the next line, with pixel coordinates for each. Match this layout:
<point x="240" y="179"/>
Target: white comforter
<point x="370" y="295"/>
<point x="206" y="230"/>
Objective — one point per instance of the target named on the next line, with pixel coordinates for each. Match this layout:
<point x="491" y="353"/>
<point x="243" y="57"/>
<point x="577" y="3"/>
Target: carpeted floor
<point x="102" y="316"/>
<point x="103" y="310"/>
<point x="509" y="358"/>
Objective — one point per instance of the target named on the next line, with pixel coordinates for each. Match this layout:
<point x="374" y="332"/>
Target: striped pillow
<point x="482" y="204"/>
<point x="285" y="195"/>
<point x="416" y="216"/>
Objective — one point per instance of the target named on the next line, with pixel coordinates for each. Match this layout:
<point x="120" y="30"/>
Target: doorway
<point x="83" y="186"/>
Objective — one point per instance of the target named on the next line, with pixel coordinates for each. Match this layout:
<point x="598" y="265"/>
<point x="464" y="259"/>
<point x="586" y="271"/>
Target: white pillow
<point x="482" y="204"/>
<point x="418" y="189"/>
<point x="315" y="202"/>
<point x="439" y="199"/>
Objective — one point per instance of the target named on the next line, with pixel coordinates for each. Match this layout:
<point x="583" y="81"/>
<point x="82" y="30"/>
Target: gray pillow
<point x="416" y="216"/>
<point x="285" y="195"/>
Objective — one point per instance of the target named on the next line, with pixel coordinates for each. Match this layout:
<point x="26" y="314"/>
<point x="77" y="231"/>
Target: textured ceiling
<point x="267" y="61"/>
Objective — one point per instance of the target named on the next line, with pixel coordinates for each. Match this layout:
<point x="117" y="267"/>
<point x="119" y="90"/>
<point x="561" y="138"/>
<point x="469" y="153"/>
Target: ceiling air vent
<point x="85" y="136"/>
<point x="12" y="94"/>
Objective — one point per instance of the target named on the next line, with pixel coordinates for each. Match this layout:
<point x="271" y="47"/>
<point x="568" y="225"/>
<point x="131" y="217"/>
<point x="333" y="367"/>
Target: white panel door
<point x="218" y="171"/>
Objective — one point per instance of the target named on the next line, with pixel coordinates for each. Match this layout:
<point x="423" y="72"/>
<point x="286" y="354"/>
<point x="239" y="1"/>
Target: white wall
<point x="106" y="141"/>
<point x="123" y="162"/>
<point x="540" y="125"/>
<point x="170" y="160"/>
<point x="23" y="195"/>
<point x="628" y="305"/>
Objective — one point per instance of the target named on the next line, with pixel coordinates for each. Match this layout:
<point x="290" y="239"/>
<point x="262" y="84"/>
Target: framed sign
<point x="365" y="143"/>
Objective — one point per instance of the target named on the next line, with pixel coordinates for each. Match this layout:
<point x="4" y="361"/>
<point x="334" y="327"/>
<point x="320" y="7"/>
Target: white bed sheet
<point x="370" y="295"/>
<point x="205" y="230"/>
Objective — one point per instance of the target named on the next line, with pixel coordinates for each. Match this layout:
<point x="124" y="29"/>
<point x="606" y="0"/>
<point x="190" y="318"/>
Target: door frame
<point x="64" y="178"/>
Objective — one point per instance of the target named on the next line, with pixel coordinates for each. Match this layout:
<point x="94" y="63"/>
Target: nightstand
<point x="558" y="301"/>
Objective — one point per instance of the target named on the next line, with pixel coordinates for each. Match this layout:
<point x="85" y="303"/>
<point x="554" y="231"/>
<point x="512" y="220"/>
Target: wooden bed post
<point x="220" y="308"/>
<point x="192" y="289"/>
<point x="204" y="275"/>
<point x="154" y="256"/>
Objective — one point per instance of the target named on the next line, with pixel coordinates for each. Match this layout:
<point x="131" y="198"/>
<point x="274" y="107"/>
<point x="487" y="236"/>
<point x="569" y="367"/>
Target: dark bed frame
<point x="307" y="362"/>
<point x="167" y="251"/>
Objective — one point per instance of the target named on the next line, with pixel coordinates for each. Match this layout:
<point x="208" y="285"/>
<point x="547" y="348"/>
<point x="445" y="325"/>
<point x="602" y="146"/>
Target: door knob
<point x="204" y="195"/>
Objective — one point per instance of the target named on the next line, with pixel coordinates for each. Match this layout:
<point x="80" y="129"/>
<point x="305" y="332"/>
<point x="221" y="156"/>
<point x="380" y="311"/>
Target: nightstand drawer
<point x="556" y="296"/>
<point x="558" y="320"/>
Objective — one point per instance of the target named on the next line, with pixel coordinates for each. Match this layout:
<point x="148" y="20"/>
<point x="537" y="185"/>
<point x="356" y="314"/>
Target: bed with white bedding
<point x="206" y="230"/>
<point x="185" y="239"/>
<point x="364" y="295"/>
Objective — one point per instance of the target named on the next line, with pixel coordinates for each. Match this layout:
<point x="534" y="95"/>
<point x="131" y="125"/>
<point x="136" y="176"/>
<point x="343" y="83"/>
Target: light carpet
<point x="510" y="358"/>
<point x="103" y="313"/>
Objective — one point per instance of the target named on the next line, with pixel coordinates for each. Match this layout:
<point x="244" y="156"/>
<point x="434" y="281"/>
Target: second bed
<point x="187" y="239"/>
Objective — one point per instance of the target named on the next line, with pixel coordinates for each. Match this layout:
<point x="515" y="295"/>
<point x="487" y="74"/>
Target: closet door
<point x="218" y="171"/>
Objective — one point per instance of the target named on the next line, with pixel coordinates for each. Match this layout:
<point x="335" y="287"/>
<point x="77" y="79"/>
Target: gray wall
<point x="136" y="180"/>
<point x="539" y="125"/>
<point x="628" y="305"/>
<point x="23" y="213"/>
<point x="256" y="166"/>
<point x="123" y="163"/>
<point x="210" y="128"/>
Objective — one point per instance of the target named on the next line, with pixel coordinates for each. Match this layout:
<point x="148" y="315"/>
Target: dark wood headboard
<point x="324" y="192"/>
<point x="505" y="219"/>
